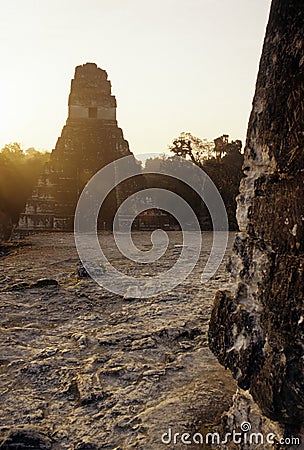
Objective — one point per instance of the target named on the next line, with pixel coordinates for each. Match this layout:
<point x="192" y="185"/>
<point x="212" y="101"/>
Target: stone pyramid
<point x="90" y="140"/>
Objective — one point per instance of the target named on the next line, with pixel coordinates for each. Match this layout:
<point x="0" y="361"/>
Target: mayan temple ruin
<point x="257" y="327"/>
<point x="90" y="140"/>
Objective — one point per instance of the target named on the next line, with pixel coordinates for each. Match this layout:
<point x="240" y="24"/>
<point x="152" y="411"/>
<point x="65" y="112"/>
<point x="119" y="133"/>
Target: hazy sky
<point x="175" y="65"/>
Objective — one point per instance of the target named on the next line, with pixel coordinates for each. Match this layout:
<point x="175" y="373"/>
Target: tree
<point x="221" y="160"/>
<point x="222" y="146"/>
<point x="19" y="171"/>
<point x="196" y="149"/>
<point x="155" y="163"/>
<point x="12" y="151"/>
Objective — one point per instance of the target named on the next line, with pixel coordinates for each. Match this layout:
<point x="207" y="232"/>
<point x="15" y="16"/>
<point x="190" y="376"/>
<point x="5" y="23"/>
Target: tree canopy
<point x="221" y="159"/>
<point x="196" y="149"/>
<point x="19" y="171"/>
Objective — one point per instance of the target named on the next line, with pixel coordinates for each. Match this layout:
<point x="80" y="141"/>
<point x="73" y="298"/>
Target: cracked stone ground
<point x="82" y="368"/>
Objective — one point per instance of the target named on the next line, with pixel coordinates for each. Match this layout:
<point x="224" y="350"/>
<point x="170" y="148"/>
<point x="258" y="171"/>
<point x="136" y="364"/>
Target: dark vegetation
<point x="221" y="160"/>
<point x="19" y="171"/>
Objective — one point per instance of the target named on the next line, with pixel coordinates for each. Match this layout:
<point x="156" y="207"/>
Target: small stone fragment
<point x="45" y="282"/>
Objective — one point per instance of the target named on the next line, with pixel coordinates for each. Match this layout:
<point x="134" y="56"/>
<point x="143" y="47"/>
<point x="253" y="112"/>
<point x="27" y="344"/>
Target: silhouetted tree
<point x="221" y="160"/>
<point x="196" y="149"/>
<point x="155" y="163"/>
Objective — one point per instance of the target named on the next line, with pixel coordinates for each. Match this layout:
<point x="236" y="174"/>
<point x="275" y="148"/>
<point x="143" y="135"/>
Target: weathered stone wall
<point x="257" y="329"/>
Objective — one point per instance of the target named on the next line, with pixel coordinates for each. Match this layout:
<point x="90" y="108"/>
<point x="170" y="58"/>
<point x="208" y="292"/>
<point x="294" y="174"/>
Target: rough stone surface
<point x="89" y="141"/>
<point x="257" y="328"/>
<point x="83" y="369"/>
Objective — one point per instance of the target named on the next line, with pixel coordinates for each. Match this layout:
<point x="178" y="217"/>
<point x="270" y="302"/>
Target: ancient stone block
<point x="257" y="329"/>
